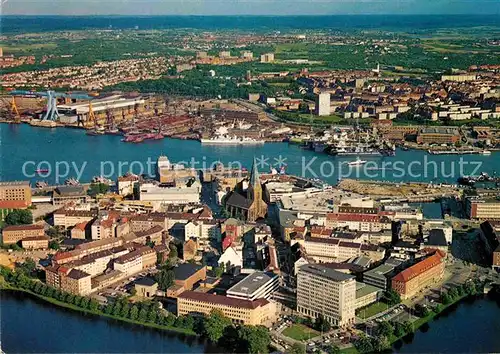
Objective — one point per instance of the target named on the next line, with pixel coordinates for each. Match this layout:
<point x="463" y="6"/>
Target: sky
<point x="247" y="7"/>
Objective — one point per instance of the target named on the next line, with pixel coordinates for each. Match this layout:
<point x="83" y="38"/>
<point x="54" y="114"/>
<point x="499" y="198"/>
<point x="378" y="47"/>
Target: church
<point x="247" y="205"/>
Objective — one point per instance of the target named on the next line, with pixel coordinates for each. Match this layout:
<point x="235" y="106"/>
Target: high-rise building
<point x="323" y="104"/>
<point x="267" y="58"/>
<point x="327" y="292"/>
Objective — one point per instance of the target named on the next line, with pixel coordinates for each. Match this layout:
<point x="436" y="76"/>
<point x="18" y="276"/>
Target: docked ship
<point x="71" y="182"/>
<point x="357" y="151"/>
<point x="101" y="179"/>
<point x="234" y="140"/>
<point x="357" y="162"/>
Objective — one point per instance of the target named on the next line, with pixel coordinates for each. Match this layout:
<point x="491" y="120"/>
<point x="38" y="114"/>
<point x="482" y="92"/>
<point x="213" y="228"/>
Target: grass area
<point x="372" y="310"/>
<point x="28" y="47"/>
<point x="331" y="118"/>
<point x="349" y="350"/>
<point x="300" y="332"/>
<point x="7" y="286"/>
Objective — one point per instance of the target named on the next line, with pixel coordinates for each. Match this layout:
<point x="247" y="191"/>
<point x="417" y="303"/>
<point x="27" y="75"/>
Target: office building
<point x="258" y="312"/>
<point x="15" y="233"/>
<point x="323" y="104"/>
<point x="419" y="276"/>
<point x="35" y="243"/>
<point x="327" y="292"/>
<point x="258" y="285"/>
<point x="267" y="58"/>
<point x="482" y="209"/>
<point x="15" y="195"/>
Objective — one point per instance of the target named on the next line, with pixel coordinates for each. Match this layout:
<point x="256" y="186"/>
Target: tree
<point x="392" y="297"/>
<point x="189" y="322"/>
<point x="169" y="320"/>
<point x="97" y="188"/>
<point x="134" y="313"/>
<point x="470" y="288"/>
<point x="85" y="302"/>
<point x="399" y="330"/>
<point x="421" y="310"/>
<point x="214" y="325"/>
<point x="332" y="349"/>
<point x="408" y="327"/>
<point x="453" y="292"/>
<point x="19" y="217"/>
<point x="54" y="245"/>
<point x="28" y="267"/>
<point x="152" y="314"/>
<point x="143" y="315"/>
<point x="165" y="279"/>
<point x="254" y="339"/>
<point x="133" y="291"/>
<point x="385" y="329"/>
<point x="321" y="324"/>
<point x="445" y="298"/>
<point x="117" y="308"/>
<point x="297" y="348"/>
<point x="173" y="251"/>
<point x="93" y="305"/>
<point x="364" y="345"/>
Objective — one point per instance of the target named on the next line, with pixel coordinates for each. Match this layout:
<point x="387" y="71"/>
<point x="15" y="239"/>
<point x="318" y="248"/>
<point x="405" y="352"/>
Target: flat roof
<point x="185" y="270"/>
<point x="379" y="272"/>
<point x="325" y="272"/>
<point x="252" y="283"/>
<point x="363" y="289"/>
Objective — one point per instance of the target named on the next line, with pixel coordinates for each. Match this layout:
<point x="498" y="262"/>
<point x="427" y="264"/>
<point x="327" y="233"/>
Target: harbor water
<point x="71" y="153"/>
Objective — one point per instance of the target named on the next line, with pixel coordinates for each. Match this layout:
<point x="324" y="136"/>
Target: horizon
<point x="279" y="8"/>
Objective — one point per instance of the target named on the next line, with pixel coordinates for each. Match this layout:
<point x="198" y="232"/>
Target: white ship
<point x="357" y="162"/>
<point x="234" y="140"/>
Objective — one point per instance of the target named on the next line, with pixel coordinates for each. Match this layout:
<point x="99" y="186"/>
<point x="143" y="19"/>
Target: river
<point x="31" y="326"/>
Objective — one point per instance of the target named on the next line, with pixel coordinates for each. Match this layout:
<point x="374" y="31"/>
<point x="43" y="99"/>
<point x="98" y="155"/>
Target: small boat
<point x="71" y="182"/>
<point x="357" y="162"/>
<point x="486" y="152"/>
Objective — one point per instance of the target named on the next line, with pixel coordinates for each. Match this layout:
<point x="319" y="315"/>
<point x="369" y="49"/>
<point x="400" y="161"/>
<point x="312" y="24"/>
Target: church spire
<point x="254" y="174"/>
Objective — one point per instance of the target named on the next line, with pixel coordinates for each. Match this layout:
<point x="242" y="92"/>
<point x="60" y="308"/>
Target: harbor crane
<point x="52" y="96"/>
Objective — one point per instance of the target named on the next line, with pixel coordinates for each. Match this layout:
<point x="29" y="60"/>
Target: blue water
<point x="337" y="22"/>
<point x="470" y="327"/>
<point x="71" y="153"/>
<point x="31" y="326"/>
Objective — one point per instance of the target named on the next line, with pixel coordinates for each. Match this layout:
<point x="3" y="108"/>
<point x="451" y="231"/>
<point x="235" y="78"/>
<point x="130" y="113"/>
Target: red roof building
<point x="419" y="276"/>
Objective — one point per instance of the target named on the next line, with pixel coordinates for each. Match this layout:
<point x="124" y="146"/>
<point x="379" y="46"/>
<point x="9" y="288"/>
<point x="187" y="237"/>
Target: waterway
<point x="70" y="153"/>
<point x="469" y="327"/>
<point x="29" y="325"/>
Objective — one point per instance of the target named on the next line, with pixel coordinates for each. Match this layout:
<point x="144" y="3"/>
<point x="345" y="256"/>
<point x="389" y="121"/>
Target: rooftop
<point x="145" y="281"/>
<point x="185" y="270"/>
<point x="420" y="267"/>
<point x="222" y="300"/>
<point x="22" y="227"/>
<point x="326" y="272"/>
<point x="252" y="283"/>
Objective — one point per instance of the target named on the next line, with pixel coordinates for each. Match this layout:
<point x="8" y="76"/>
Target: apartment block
<point x="15" y="233"/>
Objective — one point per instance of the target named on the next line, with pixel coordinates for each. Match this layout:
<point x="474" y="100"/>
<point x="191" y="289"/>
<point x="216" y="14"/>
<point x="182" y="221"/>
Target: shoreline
<point x="174" y="330"/>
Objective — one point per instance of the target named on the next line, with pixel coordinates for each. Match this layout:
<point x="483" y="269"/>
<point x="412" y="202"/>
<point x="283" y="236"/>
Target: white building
<point x="231" y="257"/>
<point x="323" y="104"/>
<point x="257" y="285"/>
<point x="327" y="292"/>
<point x="181" y="193"/>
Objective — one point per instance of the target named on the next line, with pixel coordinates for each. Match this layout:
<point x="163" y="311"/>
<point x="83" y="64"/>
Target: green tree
<point x="173" y="251"/>
<point x="117" y="308"/>
<point x="470" y="288"/>
<point x="19" y="217"/>
<point x="385" y="329"/>
<point x="27" y="268"/>
<point x="133" y="291"/>
<point x="254" y="339"/>
<point x="332" y="349"/>
<point x="399" y="330"/>
<point x="169" y="320"/>
<point x="143" y="315"/>
<point x="97" y="188"/>
<point x="446" y="298"/>
<point x="54" y="245"/>
<point x="297" y="348"/>
<point x="215" y="324"/>
<point x="321" y="324"/>
<point x="152" y="314"/>
<point x="134" y="313"/>
<point x="189" y="322"/>
<point x="364" y="345"/>
<point x="93" y="305"/>
<point x="392" y="297"/>
<point x="165" y="279"/>
<point x="85" y="302"/>
<point x="108" y="309"/>
<point x="408" y="327"/>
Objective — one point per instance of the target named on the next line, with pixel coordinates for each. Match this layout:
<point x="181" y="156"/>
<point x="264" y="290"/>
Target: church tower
<point x="258" y="208"/>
